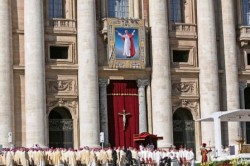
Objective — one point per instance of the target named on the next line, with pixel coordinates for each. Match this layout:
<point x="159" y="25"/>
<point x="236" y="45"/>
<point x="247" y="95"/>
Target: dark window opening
<point x="180" y="55"/>
<point x="57" y="52"/>
<point x="248" y="59"/>
<point x="247" y="106"/>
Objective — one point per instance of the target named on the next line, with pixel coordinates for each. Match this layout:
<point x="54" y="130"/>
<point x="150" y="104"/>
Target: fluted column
<point x="141" y="83"/>
<point x="104" y="109"/>
<point x="207" y="50"/>
<point x="6" y="73"/>
<point x="35" y="107"/>
<point x="231" y="67"/>
<point x="87" y="74"/>
<point x="161" y="77"/>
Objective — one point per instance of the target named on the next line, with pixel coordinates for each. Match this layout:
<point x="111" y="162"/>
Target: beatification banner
<point x="126" y="43"/>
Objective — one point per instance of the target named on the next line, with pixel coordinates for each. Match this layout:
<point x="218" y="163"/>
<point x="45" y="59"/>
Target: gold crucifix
<point x="124" y="115"/>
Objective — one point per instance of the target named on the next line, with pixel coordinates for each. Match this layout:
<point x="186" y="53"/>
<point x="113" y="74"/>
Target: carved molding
<point x="192" y="105"/>
<point x="62" y="102"/>
<point x="242" y="85"/>
<point x="185" y="88"/>
<point x="141" y="83"/>
<point x="62" y="86"/>
<point x="103" y="83"/>
<point x="243" y="43"/>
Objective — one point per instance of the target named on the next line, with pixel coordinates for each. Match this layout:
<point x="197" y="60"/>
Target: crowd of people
<point x="96" y="156"/>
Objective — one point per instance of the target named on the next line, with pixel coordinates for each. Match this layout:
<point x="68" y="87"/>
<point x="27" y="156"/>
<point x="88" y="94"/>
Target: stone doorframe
<point x="72" y="105"/>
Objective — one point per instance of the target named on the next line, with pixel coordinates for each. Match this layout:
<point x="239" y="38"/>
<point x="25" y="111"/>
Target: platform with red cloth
<point x="146" y="139"/>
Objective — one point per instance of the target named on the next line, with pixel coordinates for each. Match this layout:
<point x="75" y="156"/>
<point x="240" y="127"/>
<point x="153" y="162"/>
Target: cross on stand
<point x="124" y="115"/>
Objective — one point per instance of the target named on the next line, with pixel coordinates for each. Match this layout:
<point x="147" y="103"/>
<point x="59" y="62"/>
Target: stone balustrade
<point x="61" y="25"/>
<point x="183" y="30"/>
<point x="244" y="33"/>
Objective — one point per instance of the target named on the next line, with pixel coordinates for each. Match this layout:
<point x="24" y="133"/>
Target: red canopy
<point x="146" y="136"/>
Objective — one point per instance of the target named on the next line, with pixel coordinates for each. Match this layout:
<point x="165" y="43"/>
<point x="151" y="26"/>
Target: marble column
<point x="161" y="76"/>
<point x="141" y="83"/>
<point x="6" y="97"/>
<point x="208" y="65"/>
<point x="88" y="74"/>
<point x="104" y="109"/>
<point x="231" y="66"/>
<point x="35" y="104"/>
<point x="137" y="9"/>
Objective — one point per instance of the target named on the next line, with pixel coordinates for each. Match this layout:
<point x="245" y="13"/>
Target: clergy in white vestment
<point x="118" y="155"/>
<point x="122" y="157"/>
<point x="71" y="157"/>
<point x="157" y="156"/>
<point x="103" y="157"/>
<point x="82" y="156"/>
<point x="190" y="157"/>
<point x="24" y="157"/>
<point x="109" y="153"/>
<point x="2" y="157"/>
<point x="92" y="158"/>
<point x="9" y="158"/>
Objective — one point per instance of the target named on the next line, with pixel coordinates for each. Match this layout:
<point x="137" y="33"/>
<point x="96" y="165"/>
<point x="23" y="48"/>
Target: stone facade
<point x="211" y="78"/>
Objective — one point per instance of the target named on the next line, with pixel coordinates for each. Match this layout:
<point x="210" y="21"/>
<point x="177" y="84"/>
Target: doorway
<point x="123" y="112"/>
<point x="60" y="128"/>
<point x="247" y="106"/>
<point x="183" y="128"/>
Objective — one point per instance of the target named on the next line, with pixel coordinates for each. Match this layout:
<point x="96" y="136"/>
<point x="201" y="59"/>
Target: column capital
<point x="141" y="83"/>
<point x="242" y="84"/>
<point x="103" y="82"/>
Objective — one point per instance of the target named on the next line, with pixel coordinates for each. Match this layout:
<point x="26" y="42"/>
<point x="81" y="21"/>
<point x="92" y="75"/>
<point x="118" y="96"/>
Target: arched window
<point x="118" y="8"/>
<point x="56" y="8"/>
<point x="176" y="11"/>
<point x="246" y="12"/>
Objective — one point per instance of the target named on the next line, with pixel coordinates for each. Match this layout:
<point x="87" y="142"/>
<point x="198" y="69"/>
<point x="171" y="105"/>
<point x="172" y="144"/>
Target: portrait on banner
<point x="126" y="43"/>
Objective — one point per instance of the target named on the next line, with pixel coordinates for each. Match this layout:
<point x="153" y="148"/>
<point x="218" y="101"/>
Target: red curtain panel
<point x="123" y="95"/>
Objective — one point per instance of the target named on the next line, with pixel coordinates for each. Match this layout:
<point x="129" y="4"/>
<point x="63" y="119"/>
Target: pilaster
<point x="104" y="109"/>
<point x="142" y="83"/>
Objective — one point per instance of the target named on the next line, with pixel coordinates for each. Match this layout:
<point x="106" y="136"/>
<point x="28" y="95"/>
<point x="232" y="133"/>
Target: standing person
<point x="114" y="157"/>
<point x="204" y="153"/>
<point x="128" y="46"/>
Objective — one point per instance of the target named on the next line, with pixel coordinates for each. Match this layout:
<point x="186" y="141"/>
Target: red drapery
<point x="123" y="95"/>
